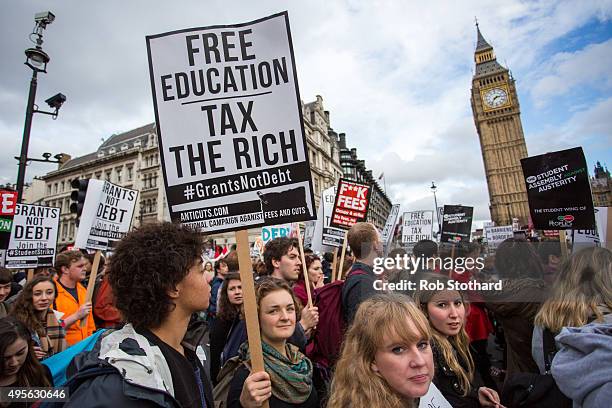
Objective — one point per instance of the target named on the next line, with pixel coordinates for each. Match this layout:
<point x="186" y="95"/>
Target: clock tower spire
<point x="497" y="117"/>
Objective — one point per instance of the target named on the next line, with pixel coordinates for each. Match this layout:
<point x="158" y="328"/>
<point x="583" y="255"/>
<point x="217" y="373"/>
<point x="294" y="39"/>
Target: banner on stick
<point x="417" y="226"/>
<point x="33" y="236"/>
<point x="332" y="236"/>
<point x="456" y="223"/>
<point x="389" y="229"/>
<point x="107" y="215"/>
<point x="497" y="235"/>
<point x="351" y="204"/>
<point x="230" y="128"/>
<point x="559" y="191"/>
<point x="8" y="202"/>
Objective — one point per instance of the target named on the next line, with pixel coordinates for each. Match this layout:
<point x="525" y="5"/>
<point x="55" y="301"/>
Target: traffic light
<point x="78" y="197"/>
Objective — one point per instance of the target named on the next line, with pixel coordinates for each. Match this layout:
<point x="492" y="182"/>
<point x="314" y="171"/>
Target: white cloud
<point x="395" y="75"/>
<point x="564" y="72"/>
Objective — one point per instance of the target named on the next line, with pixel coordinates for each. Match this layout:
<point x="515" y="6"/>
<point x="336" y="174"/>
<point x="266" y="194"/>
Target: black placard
<point x="456" y="223"/>
<point x="559" y="191"/>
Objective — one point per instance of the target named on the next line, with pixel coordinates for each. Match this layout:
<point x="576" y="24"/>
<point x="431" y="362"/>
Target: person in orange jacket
<point x="71" y="296"/>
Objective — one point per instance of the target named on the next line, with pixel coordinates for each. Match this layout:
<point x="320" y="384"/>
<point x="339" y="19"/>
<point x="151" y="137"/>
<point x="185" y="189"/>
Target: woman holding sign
<point x="386" y="359"/>
<point x="33" y="307"/>
<point x="456" y="375"/>
<point x="287" y="381"/>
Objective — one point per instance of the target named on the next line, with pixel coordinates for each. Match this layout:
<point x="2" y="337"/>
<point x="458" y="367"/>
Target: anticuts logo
<point x="531" y="179"/>
<point x="567" y="218"/>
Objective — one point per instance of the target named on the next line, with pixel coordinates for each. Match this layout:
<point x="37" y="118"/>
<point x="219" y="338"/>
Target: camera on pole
<point x="78" y="197"/>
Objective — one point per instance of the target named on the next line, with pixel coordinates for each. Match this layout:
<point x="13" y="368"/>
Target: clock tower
<point x="497" y="116"/>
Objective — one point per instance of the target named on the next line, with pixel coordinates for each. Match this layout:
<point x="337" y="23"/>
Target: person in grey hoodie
<point x="582" y="368"/>
<point x="581" y="294"/>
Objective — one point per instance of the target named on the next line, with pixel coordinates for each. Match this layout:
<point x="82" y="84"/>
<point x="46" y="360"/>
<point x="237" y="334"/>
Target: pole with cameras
<point x="37" y="60"/>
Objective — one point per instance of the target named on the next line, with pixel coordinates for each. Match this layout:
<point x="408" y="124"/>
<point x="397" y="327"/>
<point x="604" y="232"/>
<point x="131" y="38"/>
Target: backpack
<point x="528" y="390"/>
<point x="224" y="378"/>
<point x="59" y="362"/>
<point x="325" y="347"/>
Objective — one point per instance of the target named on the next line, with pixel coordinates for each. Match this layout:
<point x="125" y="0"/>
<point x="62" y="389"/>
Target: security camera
<point x="44" y="18"/>
<point x="59" y="156"/>
<point x="56" y="101"/>
<point x="46" y="155"/>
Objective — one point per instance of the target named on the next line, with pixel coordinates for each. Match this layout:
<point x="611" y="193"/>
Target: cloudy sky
<point x="395" y="75"/>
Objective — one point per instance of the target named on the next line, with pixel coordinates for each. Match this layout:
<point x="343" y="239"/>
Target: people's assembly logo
<point x="562" y="221"/>
<point x="531" y="179"/>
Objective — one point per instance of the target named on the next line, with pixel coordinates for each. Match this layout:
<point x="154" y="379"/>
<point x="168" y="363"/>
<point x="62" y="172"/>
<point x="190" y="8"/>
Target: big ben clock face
<point x="495" y="98"/>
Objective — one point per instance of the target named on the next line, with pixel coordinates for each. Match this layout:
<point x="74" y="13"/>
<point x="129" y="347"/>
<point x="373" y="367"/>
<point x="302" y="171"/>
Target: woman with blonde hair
<point x="581" y="294"/>
<point x="456" y="375"/>
<point x="287" y="379"/>
<point x="386" y="358"/>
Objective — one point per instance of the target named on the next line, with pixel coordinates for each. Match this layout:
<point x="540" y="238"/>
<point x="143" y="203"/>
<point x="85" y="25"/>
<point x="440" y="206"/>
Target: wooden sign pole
<point x="250" y="302"/>
<point x="92" y="282"/>
<point x="304" y="269"/>
<point x="30" y="275"/>
<point x="341" y="267"/>
<point x="563" y="242"/>
<point x="334" y="265"/>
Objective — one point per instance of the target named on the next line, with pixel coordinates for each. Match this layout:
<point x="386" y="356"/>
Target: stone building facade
<point x="355" y="169"/>
<point x="601" y="186"/>
<point x="497" y="116"/>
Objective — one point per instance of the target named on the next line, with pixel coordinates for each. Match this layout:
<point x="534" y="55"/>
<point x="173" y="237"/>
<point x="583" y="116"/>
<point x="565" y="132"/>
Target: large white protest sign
<point x="434" y="399"/>
<point x="595" y="237"/>
<point x="497" y="235"/>
<point x="387" y="232"/>
<point x="229" y="123"/>
<point x="33" y="236"/>
<point x="309" y="231"/>
<point x="417" y="226"/>
<point x="107" y="215"/>
<point x="332" y="236"/>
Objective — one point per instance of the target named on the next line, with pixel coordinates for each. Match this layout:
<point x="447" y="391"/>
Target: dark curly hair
<point x="148" y="263"/>
<point x="276" y="248"/>
<point x="227" y="311"/>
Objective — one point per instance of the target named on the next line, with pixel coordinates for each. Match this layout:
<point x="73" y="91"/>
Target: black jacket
<point x="123" y="370"/>
<point x="358" y="286"/>
<point x="448" y="382"/>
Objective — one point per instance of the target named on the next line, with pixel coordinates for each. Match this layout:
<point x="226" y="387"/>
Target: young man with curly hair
<point x="158" y="280"/>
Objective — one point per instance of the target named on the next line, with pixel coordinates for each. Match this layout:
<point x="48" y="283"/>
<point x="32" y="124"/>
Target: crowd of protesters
<point x="172" y="332"/>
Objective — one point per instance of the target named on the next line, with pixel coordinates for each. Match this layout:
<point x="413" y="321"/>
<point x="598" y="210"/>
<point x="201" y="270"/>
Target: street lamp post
<point x="434" y="188"/>
<point x="37" y="60"/>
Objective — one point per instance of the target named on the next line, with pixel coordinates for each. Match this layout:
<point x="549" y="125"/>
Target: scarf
<point x="291" y="376"/>
<point x="54" y="342"/>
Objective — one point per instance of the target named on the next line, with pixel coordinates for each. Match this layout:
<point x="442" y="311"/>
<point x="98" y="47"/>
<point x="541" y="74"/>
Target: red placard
<point x="351" y="206"/>
<point x="8" y="201"/>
